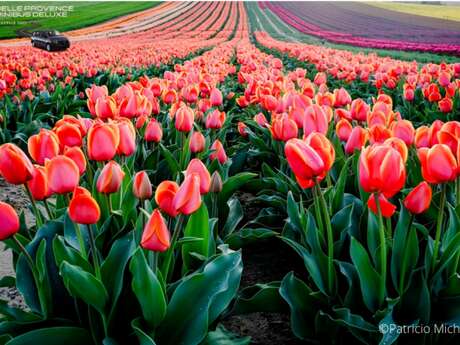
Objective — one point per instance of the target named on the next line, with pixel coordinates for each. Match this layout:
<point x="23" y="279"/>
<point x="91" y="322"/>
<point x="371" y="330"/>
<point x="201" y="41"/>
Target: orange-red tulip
<point x="184" y="119"/>
<point x="142" y="188"/>
<point x="242" y="129"/>
<point x="76" y="154"/>
<point x="381" y="170"/>
<point x="188" y="198"/>
<point x="9" y="221"/>
<point x="106" y="108"/>
<point x="153" y="131"/>
<point x="356" y="140"/>
<point x="261" y="120"/>
<point x="446" y="105"/>
<point x="283" y="128"/>
<point x="83" y="209"/>
<point x="404" y="130"/>
<point x="343" y="129"/>
<point x="197" y="142"/>
<point x="156" y="234"/>
<point x="215" y="119"/>
<point x="419" y="199"/>
<point x="387" y="208"/>
<point x="341" y="97"/>
<point x="216" y="97"/>
<point x="103" y="141"/>
<point x="219" y="152"/>
<point x="315" y="120"/>
<point x="306" y="162"/>
<point x="69" y="134"/>
<point x="164" y="196"/>
<point x="43" y="145"/>
<point x="15" y="166"/>
<point x="197" y="166"/>
<point x="359" y="110"/>
<point x="38" y="186"/>
<point x="438" y="164"/>
<point x="127" y="144"/>
<point x="62" y="174"/>
<point x="110" y="178"/>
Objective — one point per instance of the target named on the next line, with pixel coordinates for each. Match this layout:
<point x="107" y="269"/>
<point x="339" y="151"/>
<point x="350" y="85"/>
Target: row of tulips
<point x="431" y="88"/>
<point x="372" y="209"/>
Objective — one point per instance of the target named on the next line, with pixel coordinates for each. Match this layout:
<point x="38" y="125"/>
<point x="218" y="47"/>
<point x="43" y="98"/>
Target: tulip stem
<point x="383" y="247"/>
<point x="170" y="251"/>
<point x="38" y="217"/>
<point x="442" y="203"/>
<point x="92" y="243"/>
<point x="330" y="239"/>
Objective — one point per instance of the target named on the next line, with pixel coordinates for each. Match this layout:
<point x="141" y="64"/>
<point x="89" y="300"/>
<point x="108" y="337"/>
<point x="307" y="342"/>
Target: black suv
<point x="49" y="40"/>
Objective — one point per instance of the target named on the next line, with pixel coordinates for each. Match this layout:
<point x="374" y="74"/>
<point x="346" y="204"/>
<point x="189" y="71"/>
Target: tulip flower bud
<point x="197" y="142"/>
<point x="197" y="166"/>
<point x="110" y="179"/>
<point x="103" y="141"/>
<point x="219" y="152"/>
<point x="38" y="186"/>
<point x="156" y="234"/>
<point x="43" y="145"/>
<point x="216" y="182"/>
<point x="153" y="131"/>
<point x="142" y="188"/>
<point x="76" y="154"/>
<point x="184" y="119"/>
<point x="419" y="199"/>
<point x="438" y="164"/>
<point x="83" y="209"/>
<point x="188" y="198"/>
<point x="215" y="97"/>
<point x="62" y="174"/>
<point x="164" y="196"/>
<point x="15" y="166"/>
<point x="9" y="221"/>
<point x="127" y="144"/>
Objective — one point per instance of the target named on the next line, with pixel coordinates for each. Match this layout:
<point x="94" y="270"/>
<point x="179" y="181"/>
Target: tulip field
<point x="197" y="173"/>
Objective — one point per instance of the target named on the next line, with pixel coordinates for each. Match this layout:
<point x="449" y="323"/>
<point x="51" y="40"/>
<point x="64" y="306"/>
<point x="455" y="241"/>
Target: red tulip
<point x="315" y="120"/>
<point x="164" y="196"/>
<point x="219" y="152"/>
<point x="242" y="129"/>
<point x="215" y="119"/>
<point x="94" y="93"/>
<point x="341" y="97"/>
<point x="381" y="170"/>
<point x="184" y="119"/>
<point x="197" y="142"/>
<point x="69" y="134"/>
<point x="62" y="174"/>
<point x="188" y="199"/>
<point x="127" y="144"/>
<point x="83" y="209"/>
<point x="283" y="128"/>
<point x="142" y="188"/>
<point x="216" y="97"/>
<point x="38" y="186"/>
<point x="261" y="120"/>
<point x="156" y="234"/>
<point x="387" y="208"/>
<point x="438" y="164"/>
<point x="419" y="199"/>
<point x="110" y="178"/>
<point x="309" y="162"/>
<point x="359" y="110"/>
<point x="43" y="145"/>
<point x="404" y="130"/>
<point x="15" y="166"/>
<point x="356" y="140"/>
<point x="76" y="154"/>
<point x="103" y="141"/>
<point x="343" y="129"/>
<point x="106" y="108"/>
<point x="196" y="166"/>
<point x="446" y="105"/>
<point x="153" y="131"/>
<point x="9" y="221"/>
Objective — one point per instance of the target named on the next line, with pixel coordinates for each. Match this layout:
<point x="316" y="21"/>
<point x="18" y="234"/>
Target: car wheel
<point x="48" y="47"/>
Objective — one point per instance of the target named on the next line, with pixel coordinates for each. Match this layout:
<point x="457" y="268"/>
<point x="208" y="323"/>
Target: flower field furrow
<point x="163" y="166"/>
